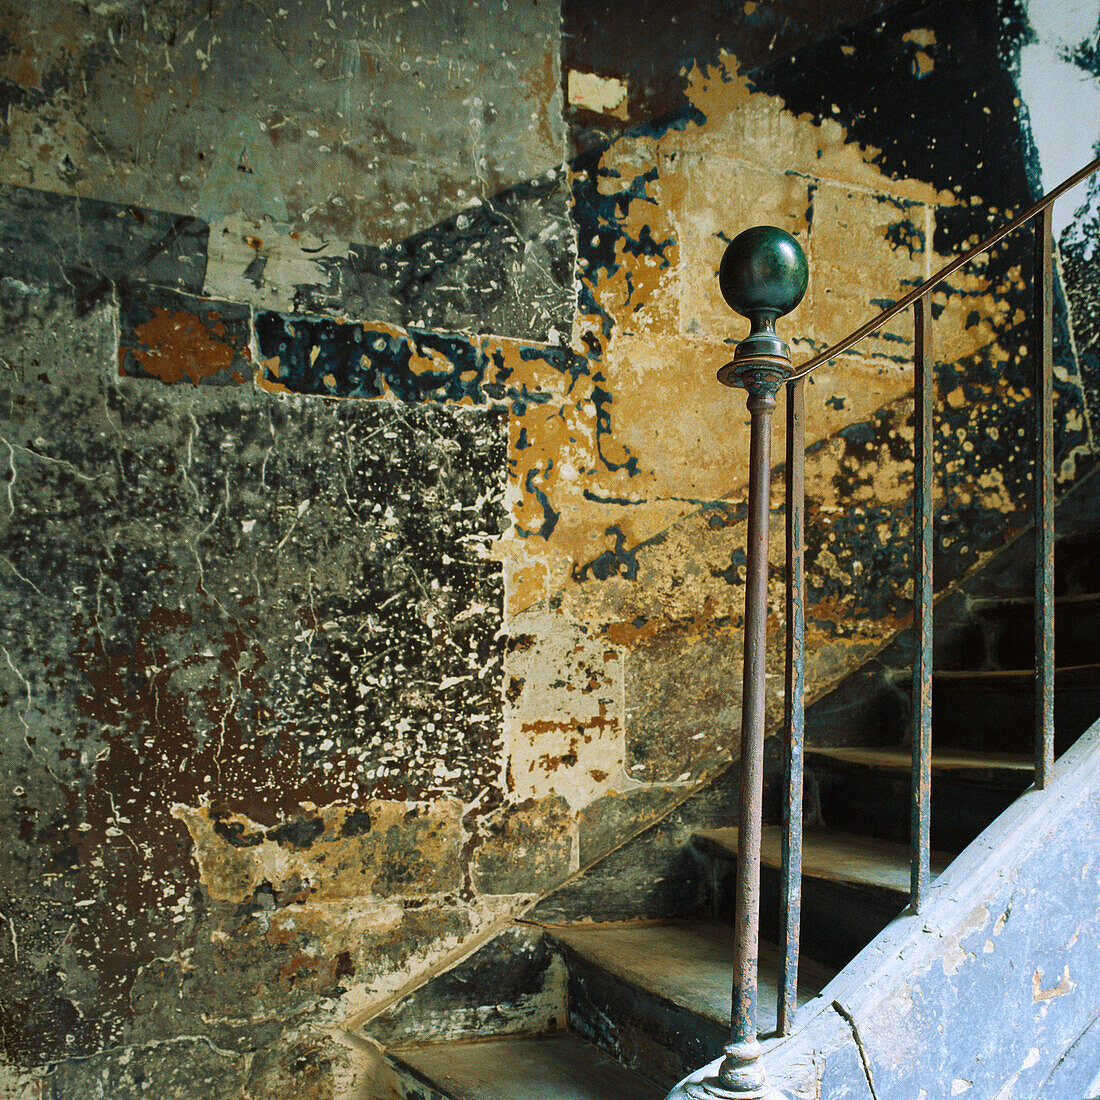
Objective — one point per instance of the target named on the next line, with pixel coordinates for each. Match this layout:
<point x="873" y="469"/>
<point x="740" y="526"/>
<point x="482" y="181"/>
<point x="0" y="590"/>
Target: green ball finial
<point x="763" y="270"/>
<point x="763" y="275"/>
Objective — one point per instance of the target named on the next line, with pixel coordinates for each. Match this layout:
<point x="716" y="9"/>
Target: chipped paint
<point x="1063" y="986"/>
<point x="593" y="92"/>
<point x="419" y="584"/>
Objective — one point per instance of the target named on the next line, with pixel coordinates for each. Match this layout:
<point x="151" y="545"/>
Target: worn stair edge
<point x="992" y="604"/>
<point x="658" y="996"/>
<point x="1066" y="676"/>
<point x="1013" y="766"/>
<point x="689" y="964"/>
<point x="831" y="856"/>
<point x="560" y="1066"/>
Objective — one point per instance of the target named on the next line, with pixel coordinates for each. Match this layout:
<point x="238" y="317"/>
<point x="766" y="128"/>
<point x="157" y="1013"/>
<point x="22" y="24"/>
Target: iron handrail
<point x="959" y="261"/>
<point x="763" y="276"/>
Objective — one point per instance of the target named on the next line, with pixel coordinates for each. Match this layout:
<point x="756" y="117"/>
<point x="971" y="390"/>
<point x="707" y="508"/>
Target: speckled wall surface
<point x="373" y="526"/>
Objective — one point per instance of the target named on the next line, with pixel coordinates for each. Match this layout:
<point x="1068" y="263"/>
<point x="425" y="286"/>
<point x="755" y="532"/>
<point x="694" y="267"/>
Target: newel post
<point x="763" y="276"/>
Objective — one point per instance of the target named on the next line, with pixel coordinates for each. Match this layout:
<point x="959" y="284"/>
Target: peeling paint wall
<point x="373" y="528"/>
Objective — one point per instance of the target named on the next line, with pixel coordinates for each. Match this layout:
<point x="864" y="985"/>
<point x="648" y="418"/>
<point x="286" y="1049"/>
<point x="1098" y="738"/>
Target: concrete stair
<point x="560" y="1066"/>
<point x="625" y="973"/>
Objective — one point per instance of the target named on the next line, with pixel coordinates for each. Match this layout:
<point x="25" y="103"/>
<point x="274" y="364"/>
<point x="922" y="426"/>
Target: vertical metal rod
<point x="922" y="610"/>
<point x="1044" y="498"/>
<point x="763" y="276"/>
<point x="742" y="1071"/>
<point x="795" y="715"/>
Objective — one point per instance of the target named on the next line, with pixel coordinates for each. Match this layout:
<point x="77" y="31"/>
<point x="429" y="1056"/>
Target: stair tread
<point x="1088" y="675"/>
<point x="560" y="1065"/>
<point x="839" y="857"/>
<point x="894" y="758"/>
<point x="1010" y="603"/>
<point x="689" y="963"/>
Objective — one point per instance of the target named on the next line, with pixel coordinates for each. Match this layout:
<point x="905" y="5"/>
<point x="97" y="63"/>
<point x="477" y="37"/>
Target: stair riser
<point x="1010" y="636"/>
<point x="1077" y="566"/>
<point x="876" y="804"/>
<point x="645" y="1032"/>
<point x="1001" y="718"/>
<point x="838" y="918"/>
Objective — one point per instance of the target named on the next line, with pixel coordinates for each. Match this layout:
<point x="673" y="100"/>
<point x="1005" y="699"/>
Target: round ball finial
<point x="763" y="273"/>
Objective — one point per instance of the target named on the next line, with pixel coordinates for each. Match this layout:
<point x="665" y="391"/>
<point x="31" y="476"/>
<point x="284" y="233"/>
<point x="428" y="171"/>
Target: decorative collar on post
<point x="763" y="276"/>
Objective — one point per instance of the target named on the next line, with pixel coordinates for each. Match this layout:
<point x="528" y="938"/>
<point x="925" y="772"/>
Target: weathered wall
<point x="374" y="528"/>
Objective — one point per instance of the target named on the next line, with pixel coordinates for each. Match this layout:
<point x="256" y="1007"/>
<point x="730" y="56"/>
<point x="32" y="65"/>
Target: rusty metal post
<point x="763" y="276"/>
<point x="923" y="592"/>
<point x="794" y="723"/>
<point x="1043" y="362"/>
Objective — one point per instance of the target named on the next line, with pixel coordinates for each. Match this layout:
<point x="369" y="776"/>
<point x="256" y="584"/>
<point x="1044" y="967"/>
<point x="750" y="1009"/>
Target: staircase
<point x="618" y="984"/>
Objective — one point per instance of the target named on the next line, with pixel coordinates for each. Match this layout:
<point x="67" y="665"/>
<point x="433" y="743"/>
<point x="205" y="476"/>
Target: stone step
<point x="852" y="886"/>
<point x="657" y="996"/>
<point x="1077" y="563"/>
<point x="1008" y="631"/>
<point x="1076" y="567"/>
<point x="865" y="790"/>
<point x="993" y="711"/>
<point x="559" y="1065"/>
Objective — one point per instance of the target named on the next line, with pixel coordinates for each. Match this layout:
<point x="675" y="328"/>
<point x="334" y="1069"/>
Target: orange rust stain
<point x="308" y="963"/>
<point x="1060" y="990"/>
<point x="176" y="346"/>
<point x="627" y="632"/>
<point x="830" y="609"/>
<point x="546" y="725"/>
<point x="27" y="75"/>
<point x="266" y="383"/>
<point x="282" y="933"/>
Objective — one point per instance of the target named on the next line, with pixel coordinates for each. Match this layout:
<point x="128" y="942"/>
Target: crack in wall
<point x="863" y="1057"/>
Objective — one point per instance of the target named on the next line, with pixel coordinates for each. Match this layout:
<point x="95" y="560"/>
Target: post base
<point x="738" y="1076"/>
<point x="710" y="1088"/>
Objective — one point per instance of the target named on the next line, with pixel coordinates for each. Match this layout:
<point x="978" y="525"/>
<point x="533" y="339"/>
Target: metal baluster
<point x="763" y="276"/>
<point x="1044" y="499"/>
<point x="795" y="715"/>
<point x="922" y="610"/>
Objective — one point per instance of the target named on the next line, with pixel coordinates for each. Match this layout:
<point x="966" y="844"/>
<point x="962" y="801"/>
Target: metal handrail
<point x="764" y="276"/>
<point x="948" y="269"/>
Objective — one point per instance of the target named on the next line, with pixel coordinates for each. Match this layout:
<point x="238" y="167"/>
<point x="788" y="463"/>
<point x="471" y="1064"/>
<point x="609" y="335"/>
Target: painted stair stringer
<point x="993" y="991"/>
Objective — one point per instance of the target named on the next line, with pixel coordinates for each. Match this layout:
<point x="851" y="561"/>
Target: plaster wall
<point x="374" y="532"/>
<point x="1002" y="927"/>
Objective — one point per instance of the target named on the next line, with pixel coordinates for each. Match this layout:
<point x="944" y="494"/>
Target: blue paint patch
<point x="601" y="398"/>
<point x="905" y="234"/>
<point x="680" y="120"/>
<point x="317" y="355"/>
<point x="734" y="573"/>
<point x="624" y="502"/>
<point x="549" y="516"/>
<point x="601" y="225"/>
<point x="858" y="433"/>
<point x="616" y="562"/>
